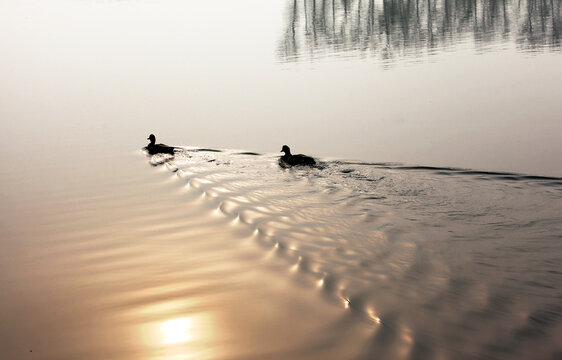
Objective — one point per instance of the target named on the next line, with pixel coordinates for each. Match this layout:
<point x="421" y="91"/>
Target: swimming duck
<point x="290" y="160"/>
<point x="154" y="148"/>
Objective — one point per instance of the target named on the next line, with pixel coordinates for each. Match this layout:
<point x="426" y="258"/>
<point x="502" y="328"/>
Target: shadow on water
<point x="394" y="29"/>
<point x="480" y="174"/>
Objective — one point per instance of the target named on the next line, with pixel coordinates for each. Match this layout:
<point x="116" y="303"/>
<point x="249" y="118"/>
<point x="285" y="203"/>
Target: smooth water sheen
<point x="431" y="262"/>
<point x="225" y="255"/>
<point x="440" y="240"/>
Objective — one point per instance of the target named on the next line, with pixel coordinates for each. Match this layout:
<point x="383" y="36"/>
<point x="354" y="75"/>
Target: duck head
<point x="286" y="150"/>
<point x="152" y="138"/>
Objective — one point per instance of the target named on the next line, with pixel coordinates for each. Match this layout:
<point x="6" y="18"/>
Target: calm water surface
<point x="472" y="84"/>
<point x="440" y="240"/>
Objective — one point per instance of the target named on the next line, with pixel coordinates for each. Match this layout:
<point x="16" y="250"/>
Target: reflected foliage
<point x="392" y="29"/>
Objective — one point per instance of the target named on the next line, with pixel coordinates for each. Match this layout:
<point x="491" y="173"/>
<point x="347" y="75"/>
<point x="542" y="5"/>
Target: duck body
<point x="289" y="159"/>
<point x="152" y="148"/>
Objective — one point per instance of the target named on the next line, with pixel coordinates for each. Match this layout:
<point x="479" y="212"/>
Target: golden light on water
<point x="185" y="335"/>
<point x="373" y="316"/>
<point x="346" y="302"/>
<point x="176" y="330"/>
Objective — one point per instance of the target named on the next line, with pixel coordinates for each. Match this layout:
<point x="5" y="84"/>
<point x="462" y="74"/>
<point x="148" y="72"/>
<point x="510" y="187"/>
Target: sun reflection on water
<point x="176" y="330"/>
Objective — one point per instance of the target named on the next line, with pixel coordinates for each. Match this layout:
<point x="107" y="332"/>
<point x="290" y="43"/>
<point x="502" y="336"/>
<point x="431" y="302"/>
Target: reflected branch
<point x="393" y="29"/>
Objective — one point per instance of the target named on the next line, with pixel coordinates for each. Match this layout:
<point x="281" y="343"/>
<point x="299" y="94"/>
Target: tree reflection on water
<point x="391" y="29"/>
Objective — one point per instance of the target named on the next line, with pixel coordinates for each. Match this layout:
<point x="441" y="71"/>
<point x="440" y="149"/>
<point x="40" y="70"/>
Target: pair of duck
<point x="286" y="160"/>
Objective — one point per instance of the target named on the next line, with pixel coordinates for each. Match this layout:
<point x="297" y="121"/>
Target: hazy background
<point x="452" y="86"/>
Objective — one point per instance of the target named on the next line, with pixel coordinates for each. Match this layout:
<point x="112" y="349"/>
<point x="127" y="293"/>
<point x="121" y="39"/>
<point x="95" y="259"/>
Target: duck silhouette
<point x="291" y="160"/>
<point x="154" y="148"/>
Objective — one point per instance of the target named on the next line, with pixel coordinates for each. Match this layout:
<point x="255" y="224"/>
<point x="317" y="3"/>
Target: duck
<point x="154" y="148"/>
<point x="291" y="160"/>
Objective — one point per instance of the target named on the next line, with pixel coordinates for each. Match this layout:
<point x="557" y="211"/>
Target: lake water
<point x="430" y="229"/>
